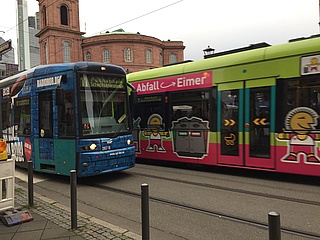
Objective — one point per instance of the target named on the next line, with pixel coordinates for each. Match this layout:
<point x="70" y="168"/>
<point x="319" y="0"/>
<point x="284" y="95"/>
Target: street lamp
<point x="208" y="51"/>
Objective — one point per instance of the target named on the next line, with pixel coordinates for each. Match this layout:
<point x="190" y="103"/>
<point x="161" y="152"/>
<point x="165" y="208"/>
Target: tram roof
<point x="293" y="48"/>
<point x="55" y="68"/>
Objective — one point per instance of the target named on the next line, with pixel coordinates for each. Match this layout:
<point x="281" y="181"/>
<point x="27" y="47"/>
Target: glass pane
<point x="6" y="118"/>
<point x="229" y="122"/>
<point x="149" y="105"/>
<point x="45" y="114"/>
<point x="104" y="105"/>
<point x="260" y="122"/>
<point x="296" y="93"/>
<point x="190" y="104"/>
<point x="66" y="116"/>
<point x="22" y="120"/>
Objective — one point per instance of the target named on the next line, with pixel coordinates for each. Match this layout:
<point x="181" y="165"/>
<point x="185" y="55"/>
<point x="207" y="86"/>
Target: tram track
<point x="217" y="214"/>
<point x="234" y="190"/>
<point x="99" y="184"/>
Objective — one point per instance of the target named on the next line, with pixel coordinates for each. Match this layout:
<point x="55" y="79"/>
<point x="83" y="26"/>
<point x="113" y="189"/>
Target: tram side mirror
<point x="59" y="92"/>
<point x="134" y="96"/>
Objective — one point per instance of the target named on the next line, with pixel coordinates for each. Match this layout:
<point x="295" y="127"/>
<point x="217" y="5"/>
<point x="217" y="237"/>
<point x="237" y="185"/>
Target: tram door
<point x="45" y="149"/>
<point x="246" y="123"/>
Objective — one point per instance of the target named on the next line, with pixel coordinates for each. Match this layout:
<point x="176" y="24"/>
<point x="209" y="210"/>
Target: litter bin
<point x="190" y="137"/>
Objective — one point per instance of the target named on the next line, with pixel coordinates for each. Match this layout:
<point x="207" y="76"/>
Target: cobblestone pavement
<point x="88" y="227"/>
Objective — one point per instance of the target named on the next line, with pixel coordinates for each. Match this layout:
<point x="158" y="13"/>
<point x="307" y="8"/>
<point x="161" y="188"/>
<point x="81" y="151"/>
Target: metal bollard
<point x="145" y="211"/>
<point x="274" y="226"/>
<point x="73" y="192"/>
<point x="30" y="184"/>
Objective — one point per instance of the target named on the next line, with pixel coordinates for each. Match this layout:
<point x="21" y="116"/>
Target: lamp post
<point x="207" y="52"/>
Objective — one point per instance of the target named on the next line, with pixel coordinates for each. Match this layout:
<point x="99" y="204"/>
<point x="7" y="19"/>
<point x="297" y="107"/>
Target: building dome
<point x="132" y="51"/>
<point x="61" y="40"/>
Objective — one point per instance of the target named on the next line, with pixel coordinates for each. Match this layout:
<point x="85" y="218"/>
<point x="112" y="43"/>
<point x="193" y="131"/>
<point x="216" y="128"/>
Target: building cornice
<point x="58" y="29"/>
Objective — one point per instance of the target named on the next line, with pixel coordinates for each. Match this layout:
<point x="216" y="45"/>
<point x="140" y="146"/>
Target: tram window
<point x="6" y="115"/>
<point x="293" y="93"/>
<point x="260" y="131"/>
<point x="22" y="122"/>
<point x="230" y="112"/>
<point x="66" y="116"/>
<point x="149" y="105"/>
<point x="190" y="104"/>
<point x="45" y="114"/>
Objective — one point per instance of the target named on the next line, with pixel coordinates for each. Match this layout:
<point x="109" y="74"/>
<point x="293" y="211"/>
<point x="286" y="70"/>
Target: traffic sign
<point x="5" y="46"/>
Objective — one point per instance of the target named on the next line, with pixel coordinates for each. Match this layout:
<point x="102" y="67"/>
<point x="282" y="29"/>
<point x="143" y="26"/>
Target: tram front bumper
<point x="94" y="163"/>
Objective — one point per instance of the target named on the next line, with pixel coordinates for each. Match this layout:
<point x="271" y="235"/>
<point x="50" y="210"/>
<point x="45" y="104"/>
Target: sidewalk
<point x="52" y="220"/>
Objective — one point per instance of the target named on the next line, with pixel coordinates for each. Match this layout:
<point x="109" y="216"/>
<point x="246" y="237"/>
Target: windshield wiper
<point x="116" y="134"/>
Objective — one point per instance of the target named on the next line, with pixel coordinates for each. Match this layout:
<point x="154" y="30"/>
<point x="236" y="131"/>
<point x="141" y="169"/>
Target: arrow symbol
<point x="256" y="121"/>
<point x="259" y="121"/>
<point x="230" y="122"/>
<point x="170" y="85"/>
<point x="263" y="121"/>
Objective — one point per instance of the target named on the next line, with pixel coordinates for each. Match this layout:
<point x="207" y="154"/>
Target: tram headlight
<point x="93" y="146"/>
<point x="128" y="141"/>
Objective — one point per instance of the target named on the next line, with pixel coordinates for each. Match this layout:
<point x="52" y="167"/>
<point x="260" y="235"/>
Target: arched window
<point x="128" y="55"/>
<point x="66" y="52"/>
<point x="44" y="16"/>
<point x="172" y="58"/>
<point x="148" y="56"/>
<point x="88" y="57"/>
<point x="106" y="55"/>
<point x="46" y="54"/>
<point x="64" y="15"/>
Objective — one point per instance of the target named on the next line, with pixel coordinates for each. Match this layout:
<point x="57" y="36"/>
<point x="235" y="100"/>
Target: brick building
<point x="61" y="40"/>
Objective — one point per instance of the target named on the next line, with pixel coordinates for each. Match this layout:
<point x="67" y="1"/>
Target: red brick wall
<point x="54" y="34"/>
<point x="117" y="42"/>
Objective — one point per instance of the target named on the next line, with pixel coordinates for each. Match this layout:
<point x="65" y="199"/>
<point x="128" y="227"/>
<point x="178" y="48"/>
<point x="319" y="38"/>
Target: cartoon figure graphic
<point x="155" y="132"/>
<point x="298" y="124"/>
<point x="313" y="66"/>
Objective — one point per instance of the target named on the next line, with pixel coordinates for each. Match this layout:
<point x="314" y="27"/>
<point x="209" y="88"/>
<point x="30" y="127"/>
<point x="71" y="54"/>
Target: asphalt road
<point x="207" y="204"/>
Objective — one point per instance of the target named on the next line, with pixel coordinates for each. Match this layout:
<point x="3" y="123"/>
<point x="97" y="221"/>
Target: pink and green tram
<point x="254" y="109"/>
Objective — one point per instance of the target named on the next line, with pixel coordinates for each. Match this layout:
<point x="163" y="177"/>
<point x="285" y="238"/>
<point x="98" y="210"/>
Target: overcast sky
<point x="222" y="24"/>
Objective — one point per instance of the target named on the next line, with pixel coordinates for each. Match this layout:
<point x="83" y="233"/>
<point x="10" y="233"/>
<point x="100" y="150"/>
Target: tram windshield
<point x="103" y="103"/>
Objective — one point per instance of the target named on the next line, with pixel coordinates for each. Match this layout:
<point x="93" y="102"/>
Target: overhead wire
<point x="62" y="49"/>
<point x="143" y="15"/>
<point x="26" y="19"/>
